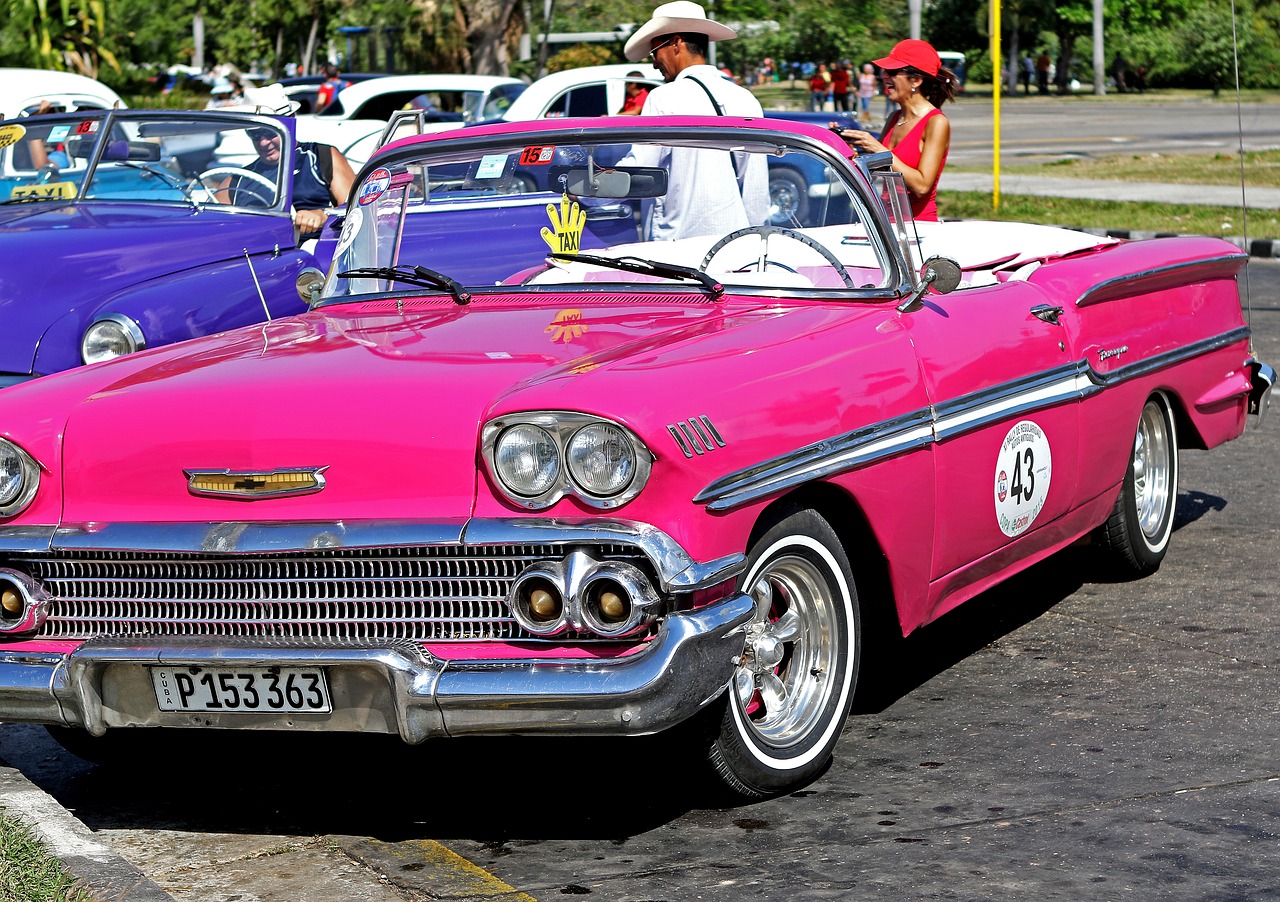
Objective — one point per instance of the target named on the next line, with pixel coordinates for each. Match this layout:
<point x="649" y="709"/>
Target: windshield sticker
<point x="10" y="134"/>
<point x="58" y="133"/>
<point x="567" y="326"/>
<point x="537" y="156"/>
<point x="375" y="186"/>
<point x="63" y="190"/>
<point x="87" y="127"/>
<point x="350" y="228"/>
<point x="1024" y="468"/>
<point x="491" y="166"/>
<point x="565" y="234"/>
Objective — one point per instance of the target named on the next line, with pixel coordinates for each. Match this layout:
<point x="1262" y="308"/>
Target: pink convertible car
<point x="576" y="438"/>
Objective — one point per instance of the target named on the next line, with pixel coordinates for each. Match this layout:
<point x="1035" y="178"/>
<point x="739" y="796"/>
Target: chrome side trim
<point x="946" y="421"/>
<point x="969" y="412"/>
<point x="1129" y="284"/>
<point x="819" y="461"/>
<point x="1168" y="358"/>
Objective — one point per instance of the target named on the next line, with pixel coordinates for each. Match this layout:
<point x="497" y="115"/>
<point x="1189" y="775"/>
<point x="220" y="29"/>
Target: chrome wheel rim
<point x="784" y="680"/>
<point x="1152" y="471"/>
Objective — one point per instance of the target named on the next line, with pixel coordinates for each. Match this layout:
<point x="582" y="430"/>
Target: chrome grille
<point x="424" y="594"/>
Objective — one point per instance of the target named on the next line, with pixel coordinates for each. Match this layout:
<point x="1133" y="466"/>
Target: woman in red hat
<point x="917" y="133"/>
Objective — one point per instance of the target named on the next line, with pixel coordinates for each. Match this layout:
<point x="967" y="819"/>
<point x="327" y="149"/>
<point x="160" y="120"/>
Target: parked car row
<point x="521" y="469"/>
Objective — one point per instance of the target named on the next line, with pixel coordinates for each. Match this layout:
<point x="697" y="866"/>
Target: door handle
<point x="1046" y="312"/>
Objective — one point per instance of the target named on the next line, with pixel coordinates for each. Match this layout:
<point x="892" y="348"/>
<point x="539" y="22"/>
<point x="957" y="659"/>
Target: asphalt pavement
<point x="356" y="869"/>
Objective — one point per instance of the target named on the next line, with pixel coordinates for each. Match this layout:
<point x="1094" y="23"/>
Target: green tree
<point x="66" y="35"/>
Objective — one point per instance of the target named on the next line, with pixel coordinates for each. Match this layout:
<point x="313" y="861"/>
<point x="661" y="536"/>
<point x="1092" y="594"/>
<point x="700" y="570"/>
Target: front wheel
<point x="791" y="691"/>
<point x="1138" y="531"/>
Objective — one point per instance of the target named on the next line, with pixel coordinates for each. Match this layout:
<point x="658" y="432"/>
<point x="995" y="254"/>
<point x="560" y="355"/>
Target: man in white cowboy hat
<point x="706" y="192"/>
<point x="322" y="176"/>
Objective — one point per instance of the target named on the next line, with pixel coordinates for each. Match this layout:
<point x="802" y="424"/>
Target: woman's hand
<point x="861" y="140"/>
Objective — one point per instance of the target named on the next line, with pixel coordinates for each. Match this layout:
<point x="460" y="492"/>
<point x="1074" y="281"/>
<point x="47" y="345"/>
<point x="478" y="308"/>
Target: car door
<point x="1004" y="384"/>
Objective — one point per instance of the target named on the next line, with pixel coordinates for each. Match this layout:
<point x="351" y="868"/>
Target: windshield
<point x="778" y="213"/>
<point x="193" y="159"/>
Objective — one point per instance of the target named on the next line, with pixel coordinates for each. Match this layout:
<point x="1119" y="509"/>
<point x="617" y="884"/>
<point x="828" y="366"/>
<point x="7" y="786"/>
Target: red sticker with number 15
<point x="537" y="156"/>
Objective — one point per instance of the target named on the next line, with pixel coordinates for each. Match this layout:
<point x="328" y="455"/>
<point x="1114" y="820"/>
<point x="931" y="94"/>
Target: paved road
<point x="1062" y="737"/>
<point x="1037" y="130"/>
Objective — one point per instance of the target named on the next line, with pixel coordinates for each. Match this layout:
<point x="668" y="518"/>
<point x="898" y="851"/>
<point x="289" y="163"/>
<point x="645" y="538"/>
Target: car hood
<point x="389" y="403"/>
<point x="75" y="256"/>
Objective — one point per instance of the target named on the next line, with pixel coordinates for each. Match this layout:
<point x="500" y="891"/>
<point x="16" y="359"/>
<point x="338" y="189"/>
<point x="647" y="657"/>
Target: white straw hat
<point x="677" y="17"/>
<point x="270" y="99"/>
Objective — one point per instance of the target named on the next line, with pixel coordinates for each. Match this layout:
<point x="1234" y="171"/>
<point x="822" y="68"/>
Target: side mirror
<point x="942" y="274"/>
<point x="309" y="282"/>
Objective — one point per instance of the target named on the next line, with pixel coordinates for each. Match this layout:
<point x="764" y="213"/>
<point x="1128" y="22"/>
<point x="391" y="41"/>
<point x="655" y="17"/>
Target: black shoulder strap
<point x="324" y="158"/>
<point x="715" y="103"/>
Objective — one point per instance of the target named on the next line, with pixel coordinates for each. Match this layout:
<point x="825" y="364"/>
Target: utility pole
<point x="913" y="8"/>
<point x="1099" y="55"/>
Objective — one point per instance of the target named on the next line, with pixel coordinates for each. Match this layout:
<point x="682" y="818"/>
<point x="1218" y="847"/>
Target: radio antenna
<point x="1244" y="205"/>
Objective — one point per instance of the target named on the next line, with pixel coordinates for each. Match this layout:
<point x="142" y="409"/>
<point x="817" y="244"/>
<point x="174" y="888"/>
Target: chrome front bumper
<point x="397" y="688"/>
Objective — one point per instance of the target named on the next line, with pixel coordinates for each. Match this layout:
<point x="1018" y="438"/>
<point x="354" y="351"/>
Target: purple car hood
<point x="76" y="256"/>
<point x="389" y="403"/>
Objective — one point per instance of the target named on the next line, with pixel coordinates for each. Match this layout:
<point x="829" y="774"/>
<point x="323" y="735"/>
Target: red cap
<point x="916" y="54"/>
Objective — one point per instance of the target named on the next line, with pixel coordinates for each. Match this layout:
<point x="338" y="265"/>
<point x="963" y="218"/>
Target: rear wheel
<point x="1138" y="531"/>
<point x="788" y="699"/>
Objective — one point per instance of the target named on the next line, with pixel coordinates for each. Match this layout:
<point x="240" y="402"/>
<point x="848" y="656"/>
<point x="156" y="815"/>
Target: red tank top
<point x="908" y="151"/>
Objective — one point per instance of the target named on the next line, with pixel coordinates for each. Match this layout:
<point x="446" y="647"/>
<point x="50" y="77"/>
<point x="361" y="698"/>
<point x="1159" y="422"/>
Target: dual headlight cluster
<point x="19" y="478"/>
<point x="539" y="457"/>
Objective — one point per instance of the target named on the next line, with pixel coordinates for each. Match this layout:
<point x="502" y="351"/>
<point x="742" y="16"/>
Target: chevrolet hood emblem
<point x="252" y="485"/>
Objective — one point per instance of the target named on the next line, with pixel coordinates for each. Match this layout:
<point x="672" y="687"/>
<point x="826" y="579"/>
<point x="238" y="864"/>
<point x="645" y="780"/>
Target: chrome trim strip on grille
<point x="18" y="539"/>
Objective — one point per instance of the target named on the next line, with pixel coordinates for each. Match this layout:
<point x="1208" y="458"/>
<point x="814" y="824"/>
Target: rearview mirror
<point x="619" y="181"/>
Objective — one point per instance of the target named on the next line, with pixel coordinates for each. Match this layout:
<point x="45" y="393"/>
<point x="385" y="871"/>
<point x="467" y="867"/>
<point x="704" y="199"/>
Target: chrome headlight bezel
<point x="562" y="426"/>
<point x="29" y="480"/>
<point x="122" y="331"/>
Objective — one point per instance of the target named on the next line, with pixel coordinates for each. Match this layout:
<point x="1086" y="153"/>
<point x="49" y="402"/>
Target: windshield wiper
<point x="644" y="267"/>
<point x="412" y="275"/>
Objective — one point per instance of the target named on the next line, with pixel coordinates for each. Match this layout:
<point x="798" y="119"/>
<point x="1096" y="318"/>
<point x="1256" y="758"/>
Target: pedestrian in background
<point x="1028" y="67"/>
<point x="840" y="87"/>
<point x="817" y="91"/>
<point x="866" y="90"/>
<point x="1043" y="64"/>
<point x="331" y="86"/>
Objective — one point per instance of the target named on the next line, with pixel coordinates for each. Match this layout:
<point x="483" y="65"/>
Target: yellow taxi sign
<point x="61" y="190"/>
<point x="11" y="134"/>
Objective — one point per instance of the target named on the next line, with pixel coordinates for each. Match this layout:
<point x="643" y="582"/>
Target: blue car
<point x="122" y="230"/>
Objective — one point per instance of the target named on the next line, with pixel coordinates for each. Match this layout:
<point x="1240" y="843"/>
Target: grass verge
<point x="28" y="873"/>
<point x="1227" y="222"/>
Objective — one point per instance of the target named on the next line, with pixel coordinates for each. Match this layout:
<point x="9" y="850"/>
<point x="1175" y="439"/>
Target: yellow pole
<point x="996" y="86"/>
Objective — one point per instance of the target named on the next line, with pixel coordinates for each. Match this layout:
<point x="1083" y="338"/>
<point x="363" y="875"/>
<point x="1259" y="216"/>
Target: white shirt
<point x="706" y="194"/>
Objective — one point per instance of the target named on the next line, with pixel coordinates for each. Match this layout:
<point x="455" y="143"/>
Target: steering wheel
<point x="257" y="186"/>
<point x="764" y="232"/>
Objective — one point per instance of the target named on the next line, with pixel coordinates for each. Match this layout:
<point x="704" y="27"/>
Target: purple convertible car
<point x="126" y="229"/>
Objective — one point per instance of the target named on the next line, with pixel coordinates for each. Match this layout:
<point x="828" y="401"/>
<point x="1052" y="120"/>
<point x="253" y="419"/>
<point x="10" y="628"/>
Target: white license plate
<point x="241" y="690"/>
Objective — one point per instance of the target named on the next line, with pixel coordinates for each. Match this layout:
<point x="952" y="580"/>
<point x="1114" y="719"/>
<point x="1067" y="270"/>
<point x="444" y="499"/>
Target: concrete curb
<point x="105" y="875"/>
<point x="1257" y="247"/>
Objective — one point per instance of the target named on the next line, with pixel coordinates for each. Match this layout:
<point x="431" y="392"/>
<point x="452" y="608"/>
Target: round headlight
<point x="526" y="460"/>
<point x="19" y="477"/>
<point x="110" y="337"/>
<point x="601" y="459"/>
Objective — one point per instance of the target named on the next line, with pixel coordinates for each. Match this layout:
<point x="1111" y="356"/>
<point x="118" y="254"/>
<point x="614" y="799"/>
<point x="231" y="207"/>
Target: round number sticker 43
<point x="1024" y="469"/>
